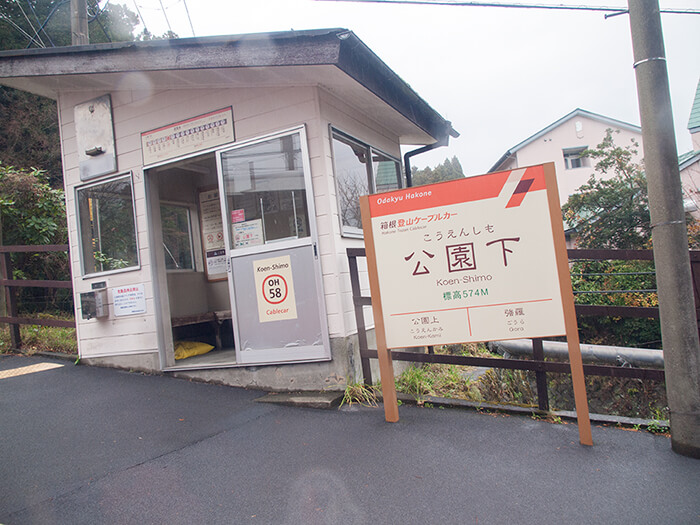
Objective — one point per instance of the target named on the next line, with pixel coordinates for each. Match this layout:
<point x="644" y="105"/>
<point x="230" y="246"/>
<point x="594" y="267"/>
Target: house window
<point x="360" y="170"/>
<point x="573" y="158"/>
<point x="107" y="226"/>
<point x="177" y="237"/>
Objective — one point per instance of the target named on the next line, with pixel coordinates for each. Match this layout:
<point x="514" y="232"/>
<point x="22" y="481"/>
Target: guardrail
<point x="11" y="284"/>
<point x="537" y="364"/>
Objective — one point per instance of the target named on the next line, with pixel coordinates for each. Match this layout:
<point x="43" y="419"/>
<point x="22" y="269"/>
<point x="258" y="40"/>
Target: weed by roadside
<point x="358" y="392"/>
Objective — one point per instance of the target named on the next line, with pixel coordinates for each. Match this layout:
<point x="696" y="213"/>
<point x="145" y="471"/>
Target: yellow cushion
<point x="185" y="349"/>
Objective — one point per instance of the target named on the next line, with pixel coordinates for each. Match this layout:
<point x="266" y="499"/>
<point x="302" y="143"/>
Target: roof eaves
<point x="360" y="63"/>
<point x="688" y="159"/>
<point x="575" y="113"/>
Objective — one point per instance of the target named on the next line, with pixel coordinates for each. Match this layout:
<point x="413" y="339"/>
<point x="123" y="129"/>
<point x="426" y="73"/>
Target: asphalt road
<point x="84" y="445"/>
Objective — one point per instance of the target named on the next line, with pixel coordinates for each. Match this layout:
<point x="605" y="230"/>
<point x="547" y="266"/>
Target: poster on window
<point x="468" y="260"/>
<point x="275" y="289"/>
<point x="212" y="228"/>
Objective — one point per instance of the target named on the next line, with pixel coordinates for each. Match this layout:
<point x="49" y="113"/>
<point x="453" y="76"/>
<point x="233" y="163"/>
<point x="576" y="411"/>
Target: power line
<point x="562" y="7"/>
<point x="188" y="16"/>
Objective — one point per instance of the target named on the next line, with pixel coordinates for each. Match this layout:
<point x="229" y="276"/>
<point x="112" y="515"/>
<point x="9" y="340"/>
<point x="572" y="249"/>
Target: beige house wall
<point x="577" y="132"/>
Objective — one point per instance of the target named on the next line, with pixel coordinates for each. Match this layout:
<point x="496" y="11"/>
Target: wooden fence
<point x="12" y="284"/>
<point x="537" y="364"/>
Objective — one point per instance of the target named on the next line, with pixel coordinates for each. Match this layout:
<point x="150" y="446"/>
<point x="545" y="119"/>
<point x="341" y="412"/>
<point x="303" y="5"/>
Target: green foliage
<point x="358" y="392"/>
<point x="448" y="170"/>
<point x="43" y="338"/>
<point x="19" y="21"/>
<point x="32" y="212"/>
<point x="611" y="211"/>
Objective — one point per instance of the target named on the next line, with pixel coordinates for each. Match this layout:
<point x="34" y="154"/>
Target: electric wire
<point x="608" y="9"/>
<point x="188" y="16"/>
<point x="170" y="29"/>
<point x="36" y="17"/>
<point x="24" y="14"/>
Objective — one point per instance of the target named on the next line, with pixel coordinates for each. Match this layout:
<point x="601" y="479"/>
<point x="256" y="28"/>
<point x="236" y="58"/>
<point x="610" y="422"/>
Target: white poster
<point x="129" y="300"/>
<point x="248" y="233"/>
<point x="212" y="234"/>
<point x="467" y="260"/>
<point x="275" y="289"/>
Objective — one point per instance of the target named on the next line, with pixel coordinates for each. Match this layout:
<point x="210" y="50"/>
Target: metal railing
<point x="537" y="365"/>
<point x="10" y="284"/>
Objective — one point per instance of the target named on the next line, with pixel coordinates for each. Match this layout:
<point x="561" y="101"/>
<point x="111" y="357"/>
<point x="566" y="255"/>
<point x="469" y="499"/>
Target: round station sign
<point x="275" y="289"/>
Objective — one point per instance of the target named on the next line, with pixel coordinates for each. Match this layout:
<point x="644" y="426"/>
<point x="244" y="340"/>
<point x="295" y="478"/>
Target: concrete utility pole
<point x="679" y="329"/>
<point x="79" y="23"/>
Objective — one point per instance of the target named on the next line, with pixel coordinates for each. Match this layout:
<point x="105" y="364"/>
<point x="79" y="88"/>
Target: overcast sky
<point x="499" y="75"/>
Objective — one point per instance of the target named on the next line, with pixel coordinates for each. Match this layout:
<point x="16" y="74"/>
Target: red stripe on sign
<point x="471" y="189"/>
<point x="532" y="180"/>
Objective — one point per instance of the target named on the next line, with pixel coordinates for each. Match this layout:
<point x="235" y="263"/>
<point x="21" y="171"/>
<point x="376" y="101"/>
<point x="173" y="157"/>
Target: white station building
<point x="211" y="190"/>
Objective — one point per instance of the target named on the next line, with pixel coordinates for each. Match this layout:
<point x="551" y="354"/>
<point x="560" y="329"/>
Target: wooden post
<point x="11" y="294"/>
<point x="567" y="299"/>
<point x="386" y="368"/>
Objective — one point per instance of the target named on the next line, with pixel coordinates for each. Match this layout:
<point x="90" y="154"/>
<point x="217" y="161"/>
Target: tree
<point x="448" y="170"/>
<point x="32" y="212"/>
<point x="611" y="210"/>
<point x="29" y="123"/>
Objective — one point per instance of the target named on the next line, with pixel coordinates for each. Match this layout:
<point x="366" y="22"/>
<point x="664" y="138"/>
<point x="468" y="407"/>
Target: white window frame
<point x="93" y="184"/>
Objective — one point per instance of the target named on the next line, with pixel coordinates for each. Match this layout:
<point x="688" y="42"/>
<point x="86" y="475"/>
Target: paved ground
<point x="100" y="446"/>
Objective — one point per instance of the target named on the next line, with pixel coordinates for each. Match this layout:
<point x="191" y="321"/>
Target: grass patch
<point x="359" y="393"/>
<point x="37" y="338"/>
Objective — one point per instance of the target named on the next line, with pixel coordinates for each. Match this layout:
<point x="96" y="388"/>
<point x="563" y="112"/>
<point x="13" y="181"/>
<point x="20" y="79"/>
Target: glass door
<point x="274" y="271"/>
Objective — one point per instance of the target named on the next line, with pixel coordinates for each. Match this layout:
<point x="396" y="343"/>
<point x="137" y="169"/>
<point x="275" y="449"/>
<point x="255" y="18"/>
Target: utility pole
<point x="679" y="329"/>
<point x="79" y="23"/>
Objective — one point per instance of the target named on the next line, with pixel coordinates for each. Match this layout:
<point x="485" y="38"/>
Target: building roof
<point x="618" y="124"/>
<point x="694" y="121"/>
<point x="334" y="59"/>
<point x="688" y="159"/>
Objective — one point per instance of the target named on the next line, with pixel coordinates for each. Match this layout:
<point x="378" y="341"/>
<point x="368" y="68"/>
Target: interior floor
<point x="214" y="359"/>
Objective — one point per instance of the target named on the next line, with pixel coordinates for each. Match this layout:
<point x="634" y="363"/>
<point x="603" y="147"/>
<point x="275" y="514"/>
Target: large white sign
<point x="275" y="289"/>
<point x="467" y="260"/>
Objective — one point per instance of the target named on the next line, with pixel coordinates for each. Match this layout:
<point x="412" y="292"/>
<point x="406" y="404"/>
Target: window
<point x="107" y="226"/>
<point x="177" y="237"/>
<point x="266" y="192"/>
<point x="360" y="170"/>
<point x="573" y="158"/>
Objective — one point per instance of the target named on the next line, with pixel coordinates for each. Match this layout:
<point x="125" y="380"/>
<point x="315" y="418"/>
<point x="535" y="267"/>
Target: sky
<point x="499" y="75"/>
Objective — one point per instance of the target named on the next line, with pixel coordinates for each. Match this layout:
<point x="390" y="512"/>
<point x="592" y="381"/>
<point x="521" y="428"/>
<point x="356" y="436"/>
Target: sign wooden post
<point x="470" y="260"/>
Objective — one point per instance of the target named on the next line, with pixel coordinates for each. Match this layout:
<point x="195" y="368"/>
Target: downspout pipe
<point x="442" y="141"/>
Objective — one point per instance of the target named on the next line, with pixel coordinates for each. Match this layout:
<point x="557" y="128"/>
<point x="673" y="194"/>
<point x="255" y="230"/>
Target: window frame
<point x="574" y="154"/>
<point x="337" y="134"/>
<point x="92" y="184"/>
<point x="190" y="231"/>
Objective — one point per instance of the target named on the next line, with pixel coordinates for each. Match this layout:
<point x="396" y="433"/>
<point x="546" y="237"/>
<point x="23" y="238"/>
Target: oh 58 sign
<point x="275" y="289"/>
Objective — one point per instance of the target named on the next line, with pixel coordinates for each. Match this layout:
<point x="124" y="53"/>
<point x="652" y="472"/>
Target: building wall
<point x="577" y="132"/>
<point x="690" y="181"/>
<point x="257" y="112"/>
